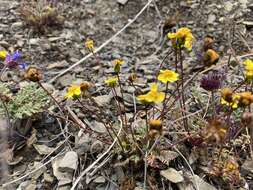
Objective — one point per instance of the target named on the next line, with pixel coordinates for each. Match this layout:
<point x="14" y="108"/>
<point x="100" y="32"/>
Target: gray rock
<point x="211" y="19"/>
<point x="48" y="178"/>
<point x="228" y="6"/>
<point x="98" y="127"/>
<point x="64" y="178"/>
<point x="172" y="175"/>
<point x="34" y="41"/>
<point x="247" y="167"/>
<point x="69" y="162"/>
<point x="38" y="173"/>
<point x="4" y="44"/>
<point x="65" y="80"/>
<point x="122" y="2"/>
<point x="16" y="25"/>
<point x="99" y="179"/>
<point x="43" y="149"/>
<point x="192" y="186"/>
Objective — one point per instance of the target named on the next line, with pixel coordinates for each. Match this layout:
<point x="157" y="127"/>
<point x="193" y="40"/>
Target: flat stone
<point x="172" y="175"/>
<point x="43" y="149"/>
<point x="48" y="178"/>
<point x="39" y="172"/>
<point x="69" y="162"/>
<point x="122" y="2"/>
<point x="211" y="19"/>
<point x="16" y="25"/>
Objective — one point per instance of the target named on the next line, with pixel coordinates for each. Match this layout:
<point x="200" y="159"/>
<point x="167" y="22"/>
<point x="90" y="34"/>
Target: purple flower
<point x="13" y="60"/>
<point x="212" y="81"/>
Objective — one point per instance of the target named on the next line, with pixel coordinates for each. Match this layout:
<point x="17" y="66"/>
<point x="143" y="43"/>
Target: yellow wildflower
<point x="227" y="94"/>
<point x="153" y="96"/>
<point x="112" y="81"/>
<point x="3" y="54"/>
<point x="249" y="75"/>
<point x="166" y="76"/>
<point x="248" y="69"/>
<point x="182" y="38"/>
<point x="248" y="65"/>
<point x="234" y="103"/>
<point x="89" y="44"/>
<point x="118" y="62"/>
<point x="73" y="92"/>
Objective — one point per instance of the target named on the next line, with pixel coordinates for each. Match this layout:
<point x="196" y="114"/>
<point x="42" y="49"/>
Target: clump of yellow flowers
<point x="89" y="44"/>
<point x="153" y="96"/>
<point x="74" y="91"/>
<point x="235" y="100"/>
<point x="182" y="38"/>
<point x="248" y="69"/>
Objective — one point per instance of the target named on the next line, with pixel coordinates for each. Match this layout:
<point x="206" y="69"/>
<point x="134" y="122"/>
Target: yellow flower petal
<point x="112" y="81"/>
<point x="73" y="91"/>
<point x="3" y="54"/>
<point x="167" y="76"/>
<point x="171" y="35"/>
<point x="89" y="44"/>
<point x="153" y="96"/>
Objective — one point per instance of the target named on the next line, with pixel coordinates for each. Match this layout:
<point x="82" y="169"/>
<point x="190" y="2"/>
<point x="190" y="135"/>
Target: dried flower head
<point x="182" y="38"/>
<point x="4" y="97"/>
<point x="166" y="76"/>
<point x="246" y="98"/>
<point x="33" y="74"/>
<point x="212" y="81"/>
<point x="74" y="91"/>
<point x="89" y="44"/>
<point x="155" y="128"/>
<point x="84" y="86"/>
<point x="155" y="124"/>
<point x="153" y="96"/>
<point x="247" y="118"/>
<point x="112" y="81"/>
<point x="227" y="94"/>
<point x="215" y="131"/>
<point x="210" y="57"/>
<point x="132" y="77"/>
<point x="208" y="43"/>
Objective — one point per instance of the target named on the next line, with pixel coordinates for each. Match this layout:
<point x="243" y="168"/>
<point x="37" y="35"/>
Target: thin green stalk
<point x="122" y="95"/>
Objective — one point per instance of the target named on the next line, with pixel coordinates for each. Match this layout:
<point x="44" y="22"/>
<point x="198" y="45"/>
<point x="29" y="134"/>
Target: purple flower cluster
<point x="14" y="60"/>
<point x="212" y="81"/>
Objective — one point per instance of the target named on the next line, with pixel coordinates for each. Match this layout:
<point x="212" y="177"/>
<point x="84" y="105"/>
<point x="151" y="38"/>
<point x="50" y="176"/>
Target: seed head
<point x="210" y="58"/>
<point x="33" y="74"/>
<point x="212" y="81"/>
<point x="84" y="86"/>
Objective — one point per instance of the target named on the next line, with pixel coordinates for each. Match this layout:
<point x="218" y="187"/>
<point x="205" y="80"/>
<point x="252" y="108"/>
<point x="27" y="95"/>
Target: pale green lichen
<point x="28" y="101"/>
